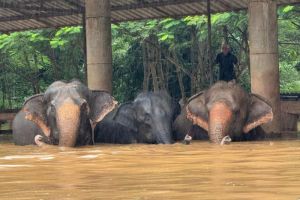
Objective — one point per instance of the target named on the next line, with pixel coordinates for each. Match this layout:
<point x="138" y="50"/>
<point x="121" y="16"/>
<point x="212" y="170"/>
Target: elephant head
<point x="226" y="109"/>
<point x="66" y="112"/>
<point x="154" y="113"/>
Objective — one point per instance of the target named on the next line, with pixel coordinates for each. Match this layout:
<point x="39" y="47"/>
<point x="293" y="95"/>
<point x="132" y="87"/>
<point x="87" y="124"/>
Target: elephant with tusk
<point x="65" y="115"/>
<point x="225" y="109"/>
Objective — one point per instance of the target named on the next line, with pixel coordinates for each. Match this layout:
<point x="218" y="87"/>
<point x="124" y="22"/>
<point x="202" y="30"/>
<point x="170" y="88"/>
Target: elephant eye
<point x="236" y="111"/>
<point x="52" y="107"/>
<point x="147" y="118"/>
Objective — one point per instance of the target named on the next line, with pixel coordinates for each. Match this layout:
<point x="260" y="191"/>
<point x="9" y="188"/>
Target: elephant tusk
<point x="187" y="139"/>
<point x="225" y="140"/>
<point x="93" y="125"/>
<point x="38" y="140"/>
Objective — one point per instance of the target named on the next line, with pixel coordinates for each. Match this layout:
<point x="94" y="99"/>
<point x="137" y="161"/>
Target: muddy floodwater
<point x="254" y="170"/>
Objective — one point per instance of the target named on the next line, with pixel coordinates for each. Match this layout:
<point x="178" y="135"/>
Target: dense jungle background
<point x="147" y="55"/>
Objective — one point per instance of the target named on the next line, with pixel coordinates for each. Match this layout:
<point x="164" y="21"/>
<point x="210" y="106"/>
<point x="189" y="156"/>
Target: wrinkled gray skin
<point x="224" y="109"/>
<point x="64" y="115"/>
<point x="182" y="126"/>
<point x="147" y="119"/>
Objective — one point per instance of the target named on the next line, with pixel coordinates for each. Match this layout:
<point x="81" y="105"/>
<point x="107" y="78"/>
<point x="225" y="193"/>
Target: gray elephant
<point x="65" y="114"/>
<point x="183" y="126"/>
<point x="225" y="109"/>
<point x="147" y="119"/>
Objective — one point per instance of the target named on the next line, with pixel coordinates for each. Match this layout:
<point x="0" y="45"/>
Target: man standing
<point x="226" y="61"/>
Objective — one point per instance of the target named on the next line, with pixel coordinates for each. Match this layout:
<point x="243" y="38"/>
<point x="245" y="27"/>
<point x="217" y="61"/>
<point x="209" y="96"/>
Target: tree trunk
<point x="146" y="68"/>
<point x="154" y="76"/>
<point x="225" y="35"/>
<point x="179" y="77"/>
<point x="36" y="78"/>
<point x="3" y="92"/>
<point x="209" y="63"/>
<point x="160" y="72"/>
<point x="194" y="60"/>
<point x="54" y="65"/>
<point x="152" y="63"/>
<point x="8" y="94"/>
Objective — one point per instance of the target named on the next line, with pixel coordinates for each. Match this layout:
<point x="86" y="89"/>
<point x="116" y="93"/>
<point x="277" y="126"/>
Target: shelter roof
<point x="17" y="15"/>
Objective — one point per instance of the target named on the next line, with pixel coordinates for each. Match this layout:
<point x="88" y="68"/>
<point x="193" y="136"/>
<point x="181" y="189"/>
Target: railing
<point x="6" y="118"/>
<point x="290" y="112"/>
<point x="290" y="97"/>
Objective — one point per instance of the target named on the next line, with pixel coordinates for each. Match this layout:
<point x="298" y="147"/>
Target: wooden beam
<point x="25" y="13"/>
<point x="13" y="6"/>
<point x="143" y="4"/>
<point x="161" y="11"/>
<point x="175" y="16"/>
<point x="152" y="4"/>
<point x="40" y="15"/>
<point x="75" y="4"/>
<point x="7" y="116"/>
<point x="10" y="30"/>
<point x="225" y="5"/>
<point x="39" y="11"/>
<point x="209" y="43"/>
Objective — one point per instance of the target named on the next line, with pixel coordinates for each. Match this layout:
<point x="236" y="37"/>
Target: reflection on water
<point x="256" y="170"/>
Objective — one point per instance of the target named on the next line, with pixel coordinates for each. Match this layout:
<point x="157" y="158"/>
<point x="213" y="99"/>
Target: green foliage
<point x="65" y="36"/>
<point x="31" y="60"/>
<point x="289" y="79"/>
<point x="289" y="34"/>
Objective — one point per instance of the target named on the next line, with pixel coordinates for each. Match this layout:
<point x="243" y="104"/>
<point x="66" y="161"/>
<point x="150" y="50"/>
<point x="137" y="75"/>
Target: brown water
<point x="256" y="170"/>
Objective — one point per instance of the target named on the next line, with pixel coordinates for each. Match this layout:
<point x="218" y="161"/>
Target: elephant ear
<point x="176" y="109"/>
<point x="260" y="112"/>
<point x="35" y="111"/>
<point x="101" y="103"/>
<point x="197" y="111"/>
<point x="126" y="115"/>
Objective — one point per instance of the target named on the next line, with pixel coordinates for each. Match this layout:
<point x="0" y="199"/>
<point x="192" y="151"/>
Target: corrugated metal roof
<point x="16" y="15"/>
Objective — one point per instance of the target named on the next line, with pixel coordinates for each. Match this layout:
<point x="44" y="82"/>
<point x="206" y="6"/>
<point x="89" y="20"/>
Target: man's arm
<point x="235" y="68"/>
<point x="217" y="60"/>
<point x="235" y="61"/>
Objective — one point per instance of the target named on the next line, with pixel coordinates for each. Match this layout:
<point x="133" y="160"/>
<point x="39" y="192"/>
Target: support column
<point x="98" y="42"/>
<point x="264" y="64"/>
<point x="211" y="77"/>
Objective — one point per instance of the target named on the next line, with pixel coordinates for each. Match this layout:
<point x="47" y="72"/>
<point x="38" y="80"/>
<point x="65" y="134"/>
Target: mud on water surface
<point x="254" y="170"/>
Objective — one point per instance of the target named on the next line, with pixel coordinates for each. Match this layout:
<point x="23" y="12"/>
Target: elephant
<point x="225" y="109"/>
<point x="147" y="119"/>
<point x="65" y="115"/>
<point x="183" y="126"/>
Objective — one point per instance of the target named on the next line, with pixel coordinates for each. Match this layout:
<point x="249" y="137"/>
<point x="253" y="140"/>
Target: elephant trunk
<point x="220" y="116"/>
<point x="162" y="131"/>
<point x="68" y="120"/>
<point x="165" y="138"/>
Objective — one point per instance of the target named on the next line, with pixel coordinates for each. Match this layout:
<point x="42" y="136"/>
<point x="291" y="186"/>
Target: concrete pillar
<point x="98" y="42"/>
<point x="264" y="64"/>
